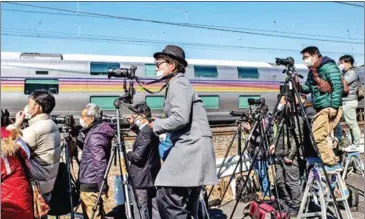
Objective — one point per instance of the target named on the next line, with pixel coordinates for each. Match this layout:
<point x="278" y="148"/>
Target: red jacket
<point x="16" y="195"/>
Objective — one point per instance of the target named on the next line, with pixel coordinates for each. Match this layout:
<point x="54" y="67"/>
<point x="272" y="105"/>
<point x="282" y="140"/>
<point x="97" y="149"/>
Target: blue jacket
<point x="95" y="156"/>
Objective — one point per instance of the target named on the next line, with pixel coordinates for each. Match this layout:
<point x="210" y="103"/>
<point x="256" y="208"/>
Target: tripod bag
<point x="266" y="210"/>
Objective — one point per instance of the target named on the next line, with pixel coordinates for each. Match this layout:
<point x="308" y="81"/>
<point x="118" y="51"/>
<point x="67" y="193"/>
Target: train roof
<point x="133" y="59"/>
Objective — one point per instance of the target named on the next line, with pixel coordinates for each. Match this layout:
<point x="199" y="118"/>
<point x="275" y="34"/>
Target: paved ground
<point x="354" y="180"/>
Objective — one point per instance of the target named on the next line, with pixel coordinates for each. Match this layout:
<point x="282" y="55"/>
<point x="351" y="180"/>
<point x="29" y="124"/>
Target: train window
<point x="155" y="102"/>
<point x="243" y="100"/>
<point x="210" y="101"/>
<point x="41" y="72"/>
<point x="244" y="72"/>
<point x="150" y="70"/>
<point x="205" y="71"/>
<point x="30" y="85"/>
<point x="101" y="68"/>
<point x="104" y="102"/>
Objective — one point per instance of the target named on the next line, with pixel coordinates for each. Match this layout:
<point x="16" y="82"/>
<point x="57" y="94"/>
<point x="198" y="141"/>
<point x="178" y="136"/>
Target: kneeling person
<point x="145" y="159"/>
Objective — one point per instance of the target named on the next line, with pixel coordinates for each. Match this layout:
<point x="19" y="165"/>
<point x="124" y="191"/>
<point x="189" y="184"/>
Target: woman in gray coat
<point x="191" y="161"/>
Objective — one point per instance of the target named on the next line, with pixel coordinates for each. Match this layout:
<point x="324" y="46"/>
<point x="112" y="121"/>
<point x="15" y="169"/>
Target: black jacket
<point x="145" y="159"/>
<point x="255" y="141"/>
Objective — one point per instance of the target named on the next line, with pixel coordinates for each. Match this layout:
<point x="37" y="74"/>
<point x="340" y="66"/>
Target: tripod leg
<point x="105" y="178"/>
<point x="69" y="179"/>
<point x="224" y="160"/>
<point x="239" y="163"/>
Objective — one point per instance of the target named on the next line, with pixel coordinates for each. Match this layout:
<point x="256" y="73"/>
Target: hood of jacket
<point x="326" y="60"/>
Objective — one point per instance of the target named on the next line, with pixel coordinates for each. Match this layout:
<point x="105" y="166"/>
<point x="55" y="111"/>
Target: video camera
<point x="123" y="72"/>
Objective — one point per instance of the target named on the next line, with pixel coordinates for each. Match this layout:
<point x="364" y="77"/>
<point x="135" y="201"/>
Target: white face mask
<point x="159" y="74"/>
<point x="82" y="123"/>
<point x="139" y="124"/>
<point x="308" y="62"/>
<point x="27" y="114"/>
<point x="280" y="107"/>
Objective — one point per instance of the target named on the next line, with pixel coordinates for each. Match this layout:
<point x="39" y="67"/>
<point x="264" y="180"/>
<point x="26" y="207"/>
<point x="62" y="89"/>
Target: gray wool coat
<point x="191" y="162"/>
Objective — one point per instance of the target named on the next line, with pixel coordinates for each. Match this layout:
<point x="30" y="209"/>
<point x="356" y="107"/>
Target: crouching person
<point x="145" y="161"/>
<point x="95" y="141"/>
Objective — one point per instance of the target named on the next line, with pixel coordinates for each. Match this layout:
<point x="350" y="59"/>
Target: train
<point x="78" y="79"/>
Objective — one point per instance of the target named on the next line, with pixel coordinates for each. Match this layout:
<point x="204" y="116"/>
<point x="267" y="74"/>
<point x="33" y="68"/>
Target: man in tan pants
<point x="325" y="86"/>
<point x="322" y="128"/>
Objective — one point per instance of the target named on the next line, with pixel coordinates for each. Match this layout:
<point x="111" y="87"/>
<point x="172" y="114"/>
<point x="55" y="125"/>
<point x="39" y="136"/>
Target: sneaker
<point x="351" y="148"/>
<point x="293" y="211"/>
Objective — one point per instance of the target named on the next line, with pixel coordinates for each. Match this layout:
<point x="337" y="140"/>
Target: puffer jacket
<point x="16" y="194"/>
<point x="351" y="77"/>
<point x="95" y="156"/>
<point x="328" y="71"/>
<point x="44" y="141"/>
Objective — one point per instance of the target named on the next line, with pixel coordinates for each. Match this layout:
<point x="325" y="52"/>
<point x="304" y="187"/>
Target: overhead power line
<point x="112" y="39"/>
<point x="186" y="25"/>
<point x="350" y="4"/>
<point x="225" y="27"/>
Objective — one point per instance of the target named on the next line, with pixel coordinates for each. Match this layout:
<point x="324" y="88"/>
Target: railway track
<point x="232" y="130"/>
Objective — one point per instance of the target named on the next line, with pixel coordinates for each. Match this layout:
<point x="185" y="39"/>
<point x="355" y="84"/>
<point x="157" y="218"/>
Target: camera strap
<point x="167" y="77"/>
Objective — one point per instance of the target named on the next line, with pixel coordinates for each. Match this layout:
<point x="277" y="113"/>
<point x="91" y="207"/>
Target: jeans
<point x="349" y="113"/>
<point x="338" y="132"/>
<point x="261" y="168"/>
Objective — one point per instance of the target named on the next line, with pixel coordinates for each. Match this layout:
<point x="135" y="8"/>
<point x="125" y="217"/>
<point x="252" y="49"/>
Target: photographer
<point x="95" y="141"/>
<point x="43" y="139"/>
<point x="261" y="165"/>
<point x="350" y="102"/>
<point x="191" y="162"/>
<point x="325" y="85"/>
<point x="286" y="153"/>
<point x="145" y="160"/>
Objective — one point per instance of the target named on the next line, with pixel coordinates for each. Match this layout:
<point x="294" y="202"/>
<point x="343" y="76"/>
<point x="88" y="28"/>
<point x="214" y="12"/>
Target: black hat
<point x="174" y="52"/>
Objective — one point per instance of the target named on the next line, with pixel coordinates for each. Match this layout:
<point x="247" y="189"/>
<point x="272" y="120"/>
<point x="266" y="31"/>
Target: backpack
<point x="346" y="88"/>
<point x="247" y="193"/>
<point x="360" y="90"/>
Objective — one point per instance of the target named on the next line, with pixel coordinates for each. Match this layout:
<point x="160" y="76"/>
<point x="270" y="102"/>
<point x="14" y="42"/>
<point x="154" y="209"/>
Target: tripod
<point x="67" y="139"/>
<point x="119" y="153"/>
<point x="290" y="71"/>
<point x="239" y="134"/>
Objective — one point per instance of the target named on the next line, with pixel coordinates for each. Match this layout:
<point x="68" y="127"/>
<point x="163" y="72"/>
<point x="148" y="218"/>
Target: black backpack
<point x="247" y="193"/>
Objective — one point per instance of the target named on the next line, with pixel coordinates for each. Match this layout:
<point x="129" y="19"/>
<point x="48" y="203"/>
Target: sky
<point x="72" y="32"/>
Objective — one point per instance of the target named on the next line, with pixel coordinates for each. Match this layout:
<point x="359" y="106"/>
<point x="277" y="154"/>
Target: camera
<point x="252" y="101"/>
<point x="287" y="61"/>
<point x="67" y="120"/>
<point x="122" y="72"/>
<point x="239" y="113"/>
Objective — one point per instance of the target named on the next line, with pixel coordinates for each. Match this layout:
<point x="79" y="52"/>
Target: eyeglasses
<point x="159" y="63"/>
